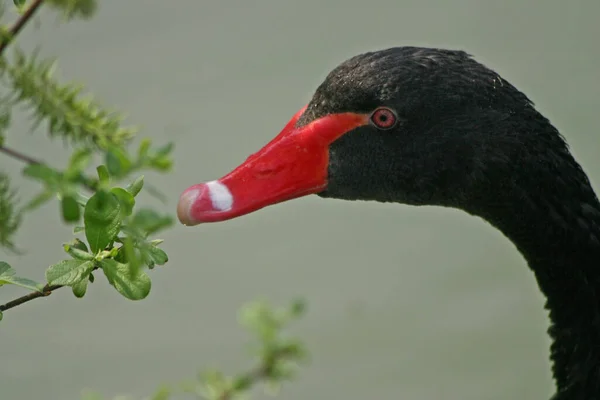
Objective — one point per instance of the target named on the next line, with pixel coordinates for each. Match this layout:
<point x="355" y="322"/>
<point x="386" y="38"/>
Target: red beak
<point x="292" y="165"/>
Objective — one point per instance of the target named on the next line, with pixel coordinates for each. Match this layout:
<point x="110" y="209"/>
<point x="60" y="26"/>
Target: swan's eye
<point x="384" y="118"/>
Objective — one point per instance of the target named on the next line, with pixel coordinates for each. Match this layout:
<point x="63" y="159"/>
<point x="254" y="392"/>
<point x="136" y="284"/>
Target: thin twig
<point x="19" y="156"/>
<point x="20" y="23"/>
<point x="85" y="181"/>
<point x="12" y="33"/>
<point x="46" y="291"/>
<point x="260" y="373"/>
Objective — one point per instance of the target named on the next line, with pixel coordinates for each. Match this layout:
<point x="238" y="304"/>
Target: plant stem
<point x="20" y="23"/>
<point x="46" y="291"/>
<point x="259" y="373"/>
<point x="19" y="156"/>
<point x="13" y="32"/>
<point x="88" y="183"/>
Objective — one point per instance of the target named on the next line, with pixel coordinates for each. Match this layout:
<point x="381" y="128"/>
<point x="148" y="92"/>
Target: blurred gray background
<point x="408" y="303"/>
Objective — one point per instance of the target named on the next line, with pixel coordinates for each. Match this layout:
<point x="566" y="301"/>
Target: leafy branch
<point x="9" y="217"/>
<point x="118" y="245"/>
<point x="44" y="291"/>
<point x="68" y="113"/>
<point x="78" y="119"/>
<point x="278" y="357"/>
<point x="110" y="233"/>
<point x="117" y="237"/>
<point x="19" y="24"/>
<point x="18" y="156"/>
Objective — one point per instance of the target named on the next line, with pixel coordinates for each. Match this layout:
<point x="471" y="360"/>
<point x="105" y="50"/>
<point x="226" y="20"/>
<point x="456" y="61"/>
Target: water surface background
<point x="404" y="302"/>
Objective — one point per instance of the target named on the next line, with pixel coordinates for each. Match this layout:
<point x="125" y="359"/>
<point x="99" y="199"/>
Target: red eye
<point x="384" y="118"/>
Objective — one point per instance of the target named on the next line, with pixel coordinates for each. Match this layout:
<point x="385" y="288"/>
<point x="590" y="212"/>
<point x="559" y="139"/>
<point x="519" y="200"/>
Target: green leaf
<point x="70" y="209"/>
<point x="80" y="288"/>
<point x="102" y="217"/>
<point x="242" y="383"/>
<point x="40" y="199"/>
<point x="165" y="150"/>
<point x="103" y="175"/>
<point x="126" y="199"/>
<point x="162" y="163"/>
<point x="10" y="217"/>
<point x="87" y="395"/>
<point x="118" y="275"/>
<point x="136" y="186"/>
<point x="132" y="256"/>
<point x="162" y="393"/>
<point x="113" y="252"/>
<point x="144" y="147"/>
<point x="297" y="308"/>
<point x="117" y="162"/>
<point x="150" y="221"/>
<point x="22" y="282"/>
<point x="81" y="199"/>
<point x="69" y="272"/>
<point x="78" y="162"/>
<point x="68" y="113"/>
<point x="7" y="277"/>
<point x="1" y="315"/>
<point x="5" y="116"/>
<point x="78" y="254"/>
<point x="19" y="3"/>
<point x="80" y="159"/>
<point x="43" y="173"/>
<point x="156" y="255"/>
<point x="78" y="244"/>
<point x="71" y="9"/>
<point x="78" y="250"/>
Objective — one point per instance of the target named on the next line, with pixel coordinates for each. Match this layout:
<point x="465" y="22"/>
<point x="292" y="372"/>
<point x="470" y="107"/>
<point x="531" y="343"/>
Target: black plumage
<point x="468" y="139"/>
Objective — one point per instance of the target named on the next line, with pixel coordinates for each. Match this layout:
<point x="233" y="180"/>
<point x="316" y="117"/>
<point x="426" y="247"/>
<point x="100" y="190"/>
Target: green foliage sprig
<point x="10" y="217"/>
<point x="117" y="235"/>
<point x="277" y="355"/>
<point x="111" y="234"/>
<point x="117" y="238"/>
<point x="68" y="113"/>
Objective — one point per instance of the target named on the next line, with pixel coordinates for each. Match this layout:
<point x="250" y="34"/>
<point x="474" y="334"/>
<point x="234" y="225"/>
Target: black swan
<point x="424" y="126"/>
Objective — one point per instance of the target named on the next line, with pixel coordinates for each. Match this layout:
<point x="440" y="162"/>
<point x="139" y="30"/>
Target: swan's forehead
<point x="391" y="77"/>
<point x="353" y="87"/>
